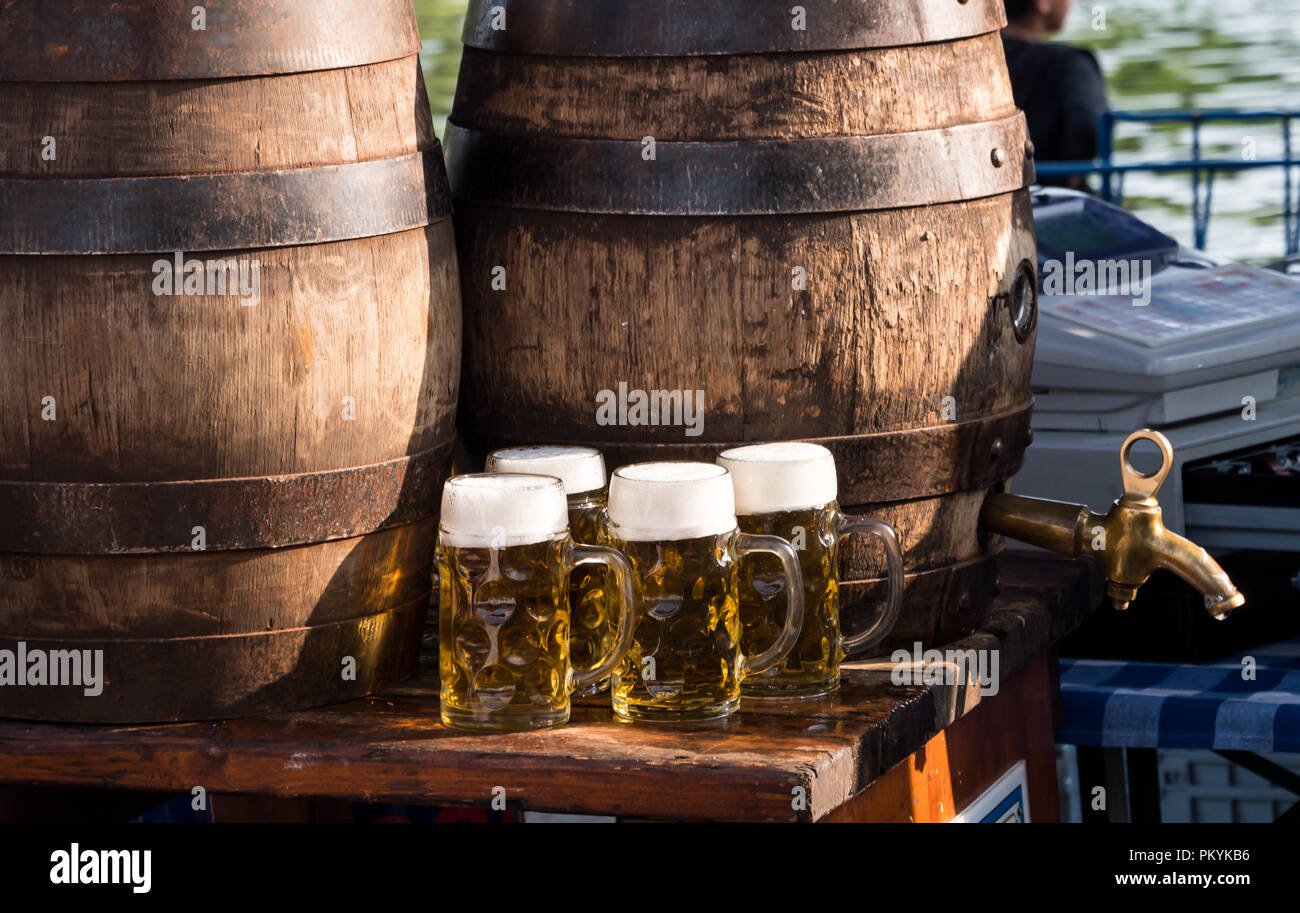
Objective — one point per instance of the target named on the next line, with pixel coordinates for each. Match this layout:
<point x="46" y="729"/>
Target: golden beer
<point x="505" y="556"/>
<point x="593" y="598"/>
<point x="813" y="666"/>
<point x="789" y="490"/>
<point x="676" y="524"/>
<point x="503" y="628"/>
<point x="685" y="657"/>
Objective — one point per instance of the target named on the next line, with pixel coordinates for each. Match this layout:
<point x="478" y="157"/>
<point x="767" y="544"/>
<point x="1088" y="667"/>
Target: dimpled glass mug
<point x="593" y="596"/>
<point x="676" y="522"/>
<point x="505" y="555"/>
<point x="789" y="489"/>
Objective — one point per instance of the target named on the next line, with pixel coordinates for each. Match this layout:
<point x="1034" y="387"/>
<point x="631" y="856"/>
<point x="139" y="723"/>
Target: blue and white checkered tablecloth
<point x="1167" y="705"/>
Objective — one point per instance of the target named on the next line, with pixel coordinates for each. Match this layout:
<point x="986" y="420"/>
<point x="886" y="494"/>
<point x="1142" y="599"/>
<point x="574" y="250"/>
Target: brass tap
<point x="1129" y="542"/>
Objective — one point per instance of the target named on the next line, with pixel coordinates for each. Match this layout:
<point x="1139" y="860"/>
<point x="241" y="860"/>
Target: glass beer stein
<point x="505" y="556"/>
<point x="789" y="490"/>
<point x="676" y="522"/>
<point x="593" y="596"/>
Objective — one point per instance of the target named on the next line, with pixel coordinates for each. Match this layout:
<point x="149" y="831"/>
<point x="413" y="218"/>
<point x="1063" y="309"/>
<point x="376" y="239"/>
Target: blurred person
<point x="1059" y="87"/>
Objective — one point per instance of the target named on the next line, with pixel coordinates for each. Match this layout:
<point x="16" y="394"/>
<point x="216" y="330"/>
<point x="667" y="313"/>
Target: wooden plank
<point x="916" y="789"/>
<point x="1014" y="726"/>
<point x="955" y="767"/>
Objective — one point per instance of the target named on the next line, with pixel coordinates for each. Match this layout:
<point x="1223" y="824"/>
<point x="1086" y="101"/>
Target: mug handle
<point x="748" y="543"/>
<point x="888" y="537"/>
<point x="627" y="611"/>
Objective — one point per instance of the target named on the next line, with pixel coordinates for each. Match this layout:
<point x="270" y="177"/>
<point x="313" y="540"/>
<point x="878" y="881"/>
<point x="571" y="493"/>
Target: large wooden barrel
<point x="229" y="493"/>
<point x="817" y="219"/>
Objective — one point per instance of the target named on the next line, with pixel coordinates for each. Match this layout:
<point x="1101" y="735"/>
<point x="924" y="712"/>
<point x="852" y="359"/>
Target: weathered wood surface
<point x="775" y="96"/>
<point x="217" y="593"/>
<point x="391" y="747"/>
<point x="198" y="387"/>
<point x="293" y="120"/>
<point x="302" y="433"/>
<point x="957" y="765"/>
<point x="847" y="321"/>
<point x="899" y="313"/>
<point x="942" y="605"/>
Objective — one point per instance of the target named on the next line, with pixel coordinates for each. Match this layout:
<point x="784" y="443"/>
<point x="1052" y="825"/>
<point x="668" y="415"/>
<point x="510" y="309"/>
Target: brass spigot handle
<point x="1139" y="486"/>
<point x="1129" y="541"/>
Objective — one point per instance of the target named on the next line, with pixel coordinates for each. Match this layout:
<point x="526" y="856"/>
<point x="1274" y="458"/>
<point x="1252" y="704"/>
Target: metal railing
<point x="1202" y="170"/>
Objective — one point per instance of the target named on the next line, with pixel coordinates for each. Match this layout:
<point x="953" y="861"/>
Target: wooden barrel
<point x="221" y="487"/>
<point x="815" y="218"/>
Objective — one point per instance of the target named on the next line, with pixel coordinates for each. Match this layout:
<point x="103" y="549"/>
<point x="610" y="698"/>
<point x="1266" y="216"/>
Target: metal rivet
<point x="1029" y="149"/>
<point x="997" y="449"/>
<point x="998" y="156"/>
<point x="1029" y="437"/>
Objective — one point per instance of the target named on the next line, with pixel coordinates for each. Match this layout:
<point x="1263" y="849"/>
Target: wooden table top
<point x="392" y="748"/>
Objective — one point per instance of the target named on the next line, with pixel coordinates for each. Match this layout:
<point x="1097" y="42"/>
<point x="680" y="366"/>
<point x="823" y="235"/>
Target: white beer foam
<point x="581" y="469"/>
<point x="789" y="475"/>
<point x="650" y="502"/>
<point x="499" y="510"/>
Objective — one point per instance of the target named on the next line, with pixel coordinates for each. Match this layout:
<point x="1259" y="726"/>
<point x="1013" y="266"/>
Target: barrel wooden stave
<point x="218" y="593"/>
<point x="201" y="678"/>
<point x="843" y="356"/>
<point x="201" y="387"/>
<point x="743" y="96"/>
<point x="294" y="120"/>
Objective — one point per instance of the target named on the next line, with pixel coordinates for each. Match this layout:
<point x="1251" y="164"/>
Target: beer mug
<point x="789" y="490"/>
<point x="505" y="556"/>
<point x="593" y="596"/>
<point x="676" y="522"/>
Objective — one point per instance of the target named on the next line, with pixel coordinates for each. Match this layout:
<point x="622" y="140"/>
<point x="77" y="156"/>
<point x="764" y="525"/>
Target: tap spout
<point x="1129" y="542"/>
<point x="1194" y="564"/>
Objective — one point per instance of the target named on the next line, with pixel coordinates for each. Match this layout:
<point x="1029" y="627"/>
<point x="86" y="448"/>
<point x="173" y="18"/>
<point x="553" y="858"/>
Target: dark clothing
<point x="1061" y="90"/>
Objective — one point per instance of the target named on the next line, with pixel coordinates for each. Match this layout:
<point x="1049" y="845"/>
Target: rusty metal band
<point x="680" y="28"/>
<point x="235" y="210"/>
<point x="873" y="468"/>
<point x="139" y="40"/>
<point x="755" y="177"/>
<point x="199" y="678"/>
<point x="125" y="518"/>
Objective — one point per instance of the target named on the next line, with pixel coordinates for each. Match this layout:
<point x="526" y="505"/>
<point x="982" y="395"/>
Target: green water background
<point x="1156" y="54"/>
